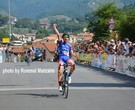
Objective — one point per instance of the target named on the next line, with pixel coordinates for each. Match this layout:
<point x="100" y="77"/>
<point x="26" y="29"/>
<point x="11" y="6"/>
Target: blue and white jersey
<point x="64" y="48"/>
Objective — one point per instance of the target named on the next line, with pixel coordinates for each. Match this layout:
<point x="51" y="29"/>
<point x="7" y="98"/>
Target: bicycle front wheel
<point x="65" y="90"/>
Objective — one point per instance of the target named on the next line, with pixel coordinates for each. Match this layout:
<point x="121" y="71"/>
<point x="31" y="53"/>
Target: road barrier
<point x="12" y="58"/>
<point x="118" y="63"/>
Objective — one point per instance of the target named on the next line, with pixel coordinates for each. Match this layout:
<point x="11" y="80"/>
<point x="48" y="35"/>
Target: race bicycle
<point x="65" y="85"/>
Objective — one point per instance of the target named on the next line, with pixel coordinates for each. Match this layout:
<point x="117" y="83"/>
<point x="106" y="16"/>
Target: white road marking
<point x="71" y="88"/>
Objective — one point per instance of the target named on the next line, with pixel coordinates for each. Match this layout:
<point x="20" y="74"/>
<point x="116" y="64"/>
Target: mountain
<point x="36" y="9"/>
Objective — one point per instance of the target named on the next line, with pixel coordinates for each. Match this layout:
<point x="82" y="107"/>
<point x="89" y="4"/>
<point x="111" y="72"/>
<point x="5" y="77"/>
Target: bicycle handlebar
<point x="65" y="64"/>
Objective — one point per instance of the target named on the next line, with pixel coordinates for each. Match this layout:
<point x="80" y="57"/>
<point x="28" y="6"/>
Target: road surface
<point x="34" y="87"/>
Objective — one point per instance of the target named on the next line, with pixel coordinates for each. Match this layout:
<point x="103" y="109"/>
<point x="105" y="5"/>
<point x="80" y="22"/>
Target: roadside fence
<point x="117" y="63"/>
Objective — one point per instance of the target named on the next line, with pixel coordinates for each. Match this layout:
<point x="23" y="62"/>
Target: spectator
<point x="8" y="54"/>
<point x="126" y="47"/>
<point x="110" y="47"/>
<point x="133" y="51"/>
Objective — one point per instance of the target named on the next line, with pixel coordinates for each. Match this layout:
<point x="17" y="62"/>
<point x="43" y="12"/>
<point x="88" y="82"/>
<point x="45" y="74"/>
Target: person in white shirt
<point x="126" y="47"/>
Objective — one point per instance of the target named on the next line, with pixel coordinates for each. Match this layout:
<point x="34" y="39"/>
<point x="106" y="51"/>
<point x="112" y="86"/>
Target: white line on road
<point x="72" y="88"/>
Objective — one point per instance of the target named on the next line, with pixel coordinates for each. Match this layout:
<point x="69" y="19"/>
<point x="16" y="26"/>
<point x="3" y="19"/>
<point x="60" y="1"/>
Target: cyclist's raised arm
<point x="56" y="30"/>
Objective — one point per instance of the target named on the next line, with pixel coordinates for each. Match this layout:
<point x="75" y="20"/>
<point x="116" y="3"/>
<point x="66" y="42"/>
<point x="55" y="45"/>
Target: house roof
<point x="18" y="50"/>
<point x="50" y="46"/>
<point x="37" y="40"/>
<point x="51" y="38"/>
<point x="41" y="46"/>
<point x="72" y="36"/>
<point x="88" y="38"/>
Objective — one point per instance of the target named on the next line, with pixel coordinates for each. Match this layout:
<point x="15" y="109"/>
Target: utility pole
<point x="9" y="19"/>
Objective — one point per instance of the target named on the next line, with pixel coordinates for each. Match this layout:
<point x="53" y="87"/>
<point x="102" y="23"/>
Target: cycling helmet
<point x="65" y="36"/>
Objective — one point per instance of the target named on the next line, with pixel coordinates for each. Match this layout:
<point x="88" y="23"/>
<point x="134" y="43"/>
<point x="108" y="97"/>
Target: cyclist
<point x="64" y="51"/>
<point x="30" y="53"/>
<point x="33" y="51"/>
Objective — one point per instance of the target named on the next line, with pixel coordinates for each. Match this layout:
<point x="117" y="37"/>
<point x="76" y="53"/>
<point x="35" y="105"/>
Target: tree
<point x="127" y="27"/>
<point x="2" y="35"/>
<point x="69" y="26"/>
<point x="3" y="20"/>
<point x="42" y="33"/>
<point x="99" y="24"/>
<point x="24" y="23"/>
<point x="129" y="7"/>
<point x="13" y="38"/>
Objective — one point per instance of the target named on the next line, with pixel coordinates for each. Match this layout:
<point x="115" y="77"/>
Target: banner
<point x="104" y="56"/>
<point x="5" y="40"/>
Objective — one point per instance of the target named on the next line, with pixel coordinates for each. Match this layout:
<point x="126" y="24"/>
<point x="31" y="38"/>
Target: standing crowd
<point x="125" y="47"/>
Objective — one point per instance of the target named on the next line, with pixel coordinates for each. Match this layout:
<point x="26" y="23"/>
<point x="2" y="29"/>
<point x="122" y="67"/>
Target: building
<point x="49" y="50"/>
<point x="25" y="37"/>
<point x="30" y="37"/>
<point x="87" y="36"/>
<point x="73" y="39"/>
<point x="44" y="25"/>
<point x="12" y="19"/>
<point x="17" y="43"/>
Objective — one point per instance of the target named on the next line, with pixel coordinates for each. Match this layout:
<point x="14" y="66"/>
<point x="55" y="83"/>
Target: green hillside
<point x="43" y="8"/>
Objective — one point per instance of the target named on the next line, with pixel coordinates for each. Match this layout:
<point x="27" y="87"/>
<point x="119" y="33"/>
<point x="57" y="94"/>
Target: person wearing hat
<point x="126" y="40"/>
<point x="112" y="41"/>
<point x="65" y="49"/>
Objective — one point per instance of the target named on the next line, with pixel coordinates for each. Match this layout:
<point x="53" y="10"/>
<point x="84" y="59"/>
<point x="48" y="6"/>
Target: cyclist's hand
<point x="75" y="55"/>
<point x="54" y="26"/>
